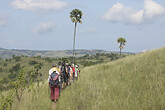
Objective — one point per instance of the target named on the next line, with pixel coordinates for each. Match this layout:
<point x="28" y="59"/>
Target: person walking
<point x="53" y="80"/>
<point x="73" y="71"/>
<point x="60" y="77"/>
<point x="76" y="72"/>
<point x="64" y="74"/>
<point x="67" y="68"/>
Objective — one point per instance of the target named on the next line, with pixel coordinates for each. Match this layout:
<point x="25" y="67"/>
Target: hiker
<point x="73" y="72"/>
<point x="53" y="80"/>
<point x="68" y="73"/>
<point x="76" y="72"/>
<point x="64" y="74"/>
<point x="60" y="77"/>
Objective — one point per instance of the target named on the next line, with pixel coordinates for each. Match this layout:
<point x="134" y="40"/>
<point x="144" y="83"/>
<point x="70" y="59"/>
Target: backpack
<point x="68" y="69"/>
<point x="54" y="79"/>
<point x="63" y="70"/>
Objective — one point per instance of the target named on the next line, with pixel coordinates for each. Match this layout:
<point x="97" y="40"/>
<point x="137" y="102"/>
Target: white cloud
<point x="121" y="13"/>
<point x="37" y="5"/>
<point x="43" y="28"/>
<point x="90" y="30"/>
<point x="152" y="9"/>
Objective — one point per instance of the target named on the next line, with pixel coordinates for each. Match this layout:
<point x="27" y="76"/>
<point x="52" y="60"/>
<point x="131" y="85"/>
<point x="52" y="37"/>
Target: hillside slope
<point x="133" y="83"/>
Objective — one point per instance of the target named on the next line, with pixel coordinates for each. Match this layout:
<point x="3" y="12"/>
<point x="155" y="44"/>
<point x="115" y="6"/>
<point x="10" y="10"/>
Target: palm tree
<point x="75" y="16"/>
<point x="121" y="42"/>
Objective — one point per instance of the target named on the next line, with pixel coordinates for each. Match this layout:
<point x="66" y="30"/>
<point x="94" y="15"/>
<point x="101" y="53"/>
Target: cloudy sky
<point x="45" y="24"/>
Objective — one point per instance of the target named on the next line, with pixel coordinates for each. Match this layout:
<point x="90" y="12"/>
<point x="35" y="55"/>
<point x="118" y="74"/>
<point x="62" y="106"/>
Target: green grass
<point x="36" y="99"/>
<point x="132" y="83"/>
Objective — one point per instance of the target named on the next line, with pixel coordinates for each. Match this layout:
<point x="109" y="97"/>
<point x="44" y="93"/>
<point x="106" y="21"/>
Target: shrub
<point x="33" y="62"/>
<point x="1" y="70"/>
<point x="15" y="68"/>
<point x="48" y="59"/>
<point x="4" y="64"/>
<point x="17" y="58"/>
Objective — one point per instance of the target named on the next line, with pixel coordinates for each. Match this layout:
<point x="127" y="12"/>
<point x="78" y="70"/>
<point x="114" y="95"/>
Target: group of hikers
<point x="60" y="76"/>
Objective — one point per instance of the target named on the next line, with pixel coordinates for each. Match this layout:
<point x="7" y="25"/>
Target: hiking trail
<point x="54" y="106"/>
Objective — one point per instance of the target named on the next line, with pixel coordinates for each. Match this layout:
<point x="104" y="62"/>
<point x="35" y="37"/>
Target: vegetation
<point x="133" y="83"/>
<point x="23" y="79"/>
<point x="88" y="60"/>
<point x="121" y="42"/>
<point x="38" y="66"/>
<point x="75" y="16"/>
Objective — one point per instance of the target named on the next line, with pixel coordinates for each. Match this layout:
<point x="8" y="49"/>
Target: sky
<point x="46" y="25"/>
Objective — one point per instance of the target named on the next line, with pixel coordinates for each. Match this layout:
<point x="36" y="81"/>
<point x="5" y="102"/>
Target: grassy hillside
<point x="9" y="68"/>
<point x="132" y="83"/>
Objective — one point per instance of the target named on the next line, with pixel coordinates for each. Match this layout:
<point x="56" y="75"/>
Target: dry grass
<point x="133" y="83"/>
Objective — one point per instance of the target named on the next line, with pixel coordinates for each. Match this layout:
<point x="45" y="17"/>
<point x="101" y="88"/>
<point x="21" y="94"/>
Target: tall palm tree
<point x="121" y="42"/>
<point x="75" y="16"/>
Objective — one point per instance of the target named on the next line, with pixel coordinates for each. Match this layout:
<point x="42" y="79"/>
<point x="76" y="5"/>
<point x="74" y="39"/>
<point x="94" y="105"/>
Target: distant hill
<point x="7" y="53"/>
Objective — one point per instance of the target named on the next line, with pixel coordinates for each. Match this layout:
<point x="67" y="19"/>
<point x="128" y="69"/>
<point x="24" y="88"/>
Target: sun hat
<point x="54" y="69"/>
<point x="72" y="65"/>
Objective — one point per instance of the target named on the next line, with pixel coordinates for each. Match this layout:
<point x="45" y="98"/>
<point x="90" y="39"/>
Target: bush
<point x="37" y="66"/>
<point x="12" y="76"/>
<point x="5" y="81"/>
<point x="1" y="70"/>
<point x="86" y="63"/>
<point x="33" y="62"/>
<point x="15" y="68"/>
<point x="48" y="59"/>
<point x="4" y="64"/>
<point x="17" y="58"/>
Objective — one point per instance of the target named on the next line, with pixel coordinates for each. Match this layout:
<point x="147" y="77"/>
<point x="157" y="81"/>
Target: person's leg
<point x="62" y="81"/>
<point x="52" y="93"/>
<point x="59" y="88"/>
<point x="68" y="80"/>
<point x="73" y="77"/>
<point x="60" y="85"/>
<point x="65" y="80"/>
<point x="56" y="93"/>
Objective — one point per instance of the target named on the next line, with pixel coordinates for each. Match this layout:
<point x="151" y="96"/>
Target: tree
<point x="17" y="58"/>
<point x="75" y="16"/>
<point x="33" y="62"/>
<point x="121" y="42"/>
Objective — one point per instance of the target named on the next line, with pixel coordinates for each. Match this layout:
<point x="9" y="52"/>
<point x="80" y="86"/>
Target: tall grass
<point x="133" y="83"/>
<point x="34" y="98"/>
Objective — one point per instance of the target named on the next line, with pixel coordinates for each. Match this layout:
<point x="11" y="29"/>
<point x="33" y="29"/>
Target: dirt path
<point x="54" y="106"/>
